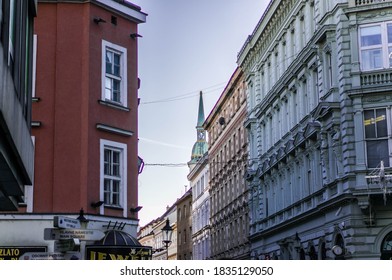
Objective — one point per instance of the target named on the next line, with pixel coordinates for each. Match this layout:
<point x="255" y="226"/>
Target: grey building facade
<point x="16" y="79"/>
<point x="319" y="95"/>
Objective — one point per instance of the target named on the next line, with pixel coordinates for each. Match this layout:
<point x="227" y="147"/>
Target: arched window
<point x="322" y="252"/>
<point x="302" y="254"/>
<point x="339" y="249"/>
<point x="312" y="253"/>
<point x="386" y="247"/>
<point x="339" y="240"/>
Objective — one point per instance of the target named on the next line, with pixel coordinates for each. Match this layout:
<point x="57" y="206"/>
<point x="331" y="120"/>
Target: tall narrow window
<point x="1" y="20"/>
<point x="253" y="145"/>
<point x="376" y="136"/>
<point x="329" y="74"/>
<point x="303" y="27"/>
<point x="114" y="73"/>
<point x="113" y="174"/>
<point x="305" y="99"/>
<point x="112" y="180"/>
<point x="239" y="138"/>
<point x="386" y="247"/>
<point x="309" y="179"/>
<point x="389" y="31"/>
<point x="252" y="96"/>
<point x="113" y="78"/>
<point x="12" y="34"/>
<point x="292" y="46"/>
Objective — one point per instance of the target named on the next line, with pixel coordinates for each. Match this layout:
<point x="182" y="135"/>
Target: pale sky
<point x="187" y="46"/>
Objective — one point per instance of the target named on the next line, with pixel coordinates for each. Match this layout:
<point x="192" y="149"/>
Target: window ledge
<point x="113" y="105"/>
<point x="113" y="207"/>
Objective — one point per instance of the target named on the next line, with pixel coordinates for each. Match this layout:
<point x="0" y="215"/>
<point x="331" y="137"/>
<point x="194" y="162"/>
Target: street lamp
<point x="167" y="232"/>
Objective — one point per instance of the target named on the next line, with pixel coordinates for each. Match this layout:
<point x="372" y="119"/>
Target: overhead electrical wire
<point x="206" y="90"/>
<point x="191" y="94"/>
<point x="211" y="89"/>
<point x="186" y="164"/>
<point x="220" y="85"/>
<point x="241" y="160"/>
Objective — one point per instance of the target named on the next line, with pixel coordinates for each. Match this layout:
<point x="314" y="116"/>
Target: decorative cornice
<point x="265" y="31"/>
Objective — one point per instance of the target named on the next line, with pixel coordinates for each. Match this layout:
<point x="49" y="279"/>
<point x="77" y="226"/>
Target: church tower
<point x="200" y="147"/>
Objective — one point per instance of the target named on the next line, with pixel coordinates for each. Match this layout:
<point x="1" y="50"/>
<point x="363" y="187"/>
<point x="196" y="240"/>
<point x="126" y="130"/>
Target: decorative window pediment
<point x="289" y="146"/>
<point x="299" y="139"/>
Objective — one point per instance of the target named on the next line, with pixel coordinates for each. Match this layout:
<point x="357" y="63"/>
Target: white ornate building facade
<point x="201" y="228"/>
<point x="319" y="95"/>
<point x="199" y="181"/>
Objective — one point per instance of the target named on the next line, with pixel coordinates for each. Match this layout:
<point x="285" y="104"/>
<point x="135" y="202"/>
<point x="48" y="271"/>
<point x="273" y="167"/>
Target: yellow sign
<point x="374" y="120"/>
<point x="13" y="253"/>
<point x="103" y="252"/>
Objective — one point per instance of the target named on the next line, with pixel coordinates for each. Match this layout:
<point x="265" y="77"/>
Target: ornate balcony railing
<point x="359" y="3"/>
<point x="376" y="78"/>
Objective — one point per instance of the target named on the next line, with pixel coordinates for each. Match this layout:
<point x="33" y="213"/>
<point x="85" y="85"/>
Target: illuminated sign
<point x="102" y="252"/>
<point x="13" y="253"/>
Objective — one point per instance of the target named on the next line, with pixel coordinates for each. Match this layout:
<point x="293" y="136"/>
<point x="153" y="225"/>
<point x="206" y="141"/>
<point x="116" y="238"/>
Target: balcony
<point x="360" y="3"/>
<point x="376" y="78"/>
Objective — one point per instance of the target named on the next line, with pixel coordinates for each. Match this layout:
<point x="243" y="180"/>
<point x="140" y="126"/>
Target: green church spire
<point x="201" y="146"/>
<point x="200" y="118"/>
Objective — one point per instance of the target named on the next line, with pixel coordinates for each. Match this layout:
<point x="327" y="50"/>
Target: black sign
<point x="13" y="253"/>
<point x="102" y="252"/>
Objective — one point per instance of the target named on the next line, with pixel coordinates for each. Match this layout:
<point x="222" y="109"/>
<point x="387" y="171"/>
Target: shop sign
<point x="104" y="252"/>
<point x="14" y="253"/>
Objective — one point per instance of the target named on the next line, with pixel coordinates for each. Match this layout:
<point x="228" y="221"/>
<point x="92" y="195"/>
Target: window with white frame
<point x="375" y="42"/>
<point x="114" y="73"/>
<point x="252" y="96"/>
<point x="376" y="136"/>
<point x="112" y="177"/>
<point x="113" y="173"/>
